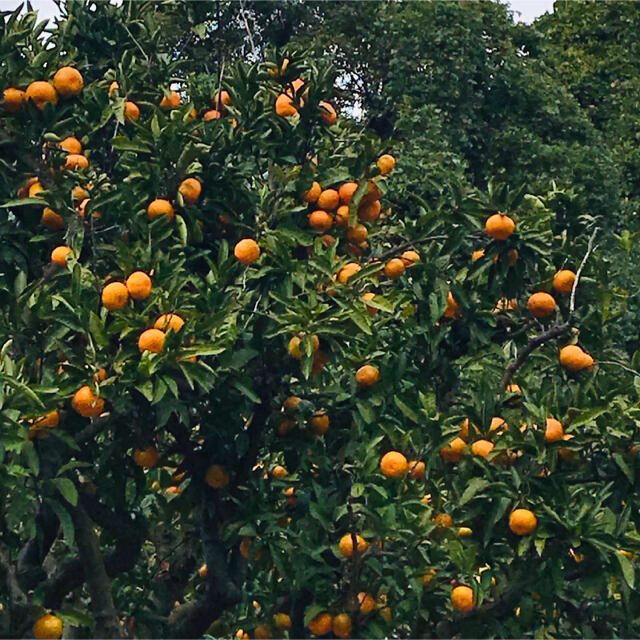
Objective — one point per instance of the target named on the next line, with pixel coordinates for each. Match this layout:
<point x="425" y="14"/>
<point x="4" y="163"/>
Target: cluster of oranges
<point x="286" y="103"/>
<point x="67" y="83"/>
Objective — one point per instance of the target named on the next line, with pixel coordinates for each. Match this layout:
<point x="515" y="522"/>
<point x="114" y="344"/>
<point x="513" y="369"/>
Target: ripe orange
<point x="328" y="113"/>
<point x="357" y="234"/>
<point x="346" y="192"/>
<point x="416" y="469"/>
<point x="113" y="87"/>
<point x="369" y="211"/>
<point x="282" y="621"/>
<point x="290" y="496"/>
<point x="394" y="465"/>
<point x="476" y="255"/>
<point x="246" y="251"/>
<point x="349" y="269"/>
<point x="41" y="92"/>
<point x="68" y="82"/>
<point x="278" y="472"/>
<point x="366" y="297"/>
<point x="87" y="403"/>
<point x="319" y="423"/>
<point x="320" y="220"/>
<point x="131" y="110"/>
<point x="48" y="627"/>
<point x="160" y="207"/>
<point x="394" y="268"/>
<point x="452" y="309"/>
<point x="346" y="545"/>
<point x="321" y="624"/>
<point x="211" y="114"/>
<point x="327" y="240"/>
<point x="203" y="571"/>
<point x="51" y="220"/>
<point x="169" y="321"/>
<point x="514" y="388"/>
<point x="464" y="429"/>
<point x="48" y="421"/>
<point x="499" y="226"/>
<point x="115" y="296"/>
<point x="313" y="193"/>
<point x="146" y="458"/>
<point x="366" y="602"/>
<point x="342" y="216"/>
<point x="573" y="358"/>
<point x="295" y="342"/>
<point x="522" y="522"/>
<point x="463" y="599"/>
<point x="541" y="304"/>
<point x="59" y="255"/>
<point x="190" y="188"/>
<point x="139" y="285"/>
<point x="71" y="145"/>
<point x="410" y="258"/>
<point x="173" y="490"/>
<point x="172" y="100"/>
<point x="262" y="632"/>
<point x="14" y="100"/>
<point x="554" y="431"/>
<point x="428" y="577"/>
<point x="342" y="625"/>
<point x="563" y="281"/>
<point x="151" y="340"/>
<point x="443" y="520"/>
<point x="482" y="448"/>
<point x="217" y="476"/>
<point x="454" y="452"/>
<point x="386" y="163"/>
<point x="367" y="375"/>
<point x="328" y="199"/>
<point x="291" y="404"/>
<point x="75" y="162"/>
<point x="34" y="188"/>
<point x="498" y="424"/>
<point x="285" y="106"/>
<point x="223" y="99"/>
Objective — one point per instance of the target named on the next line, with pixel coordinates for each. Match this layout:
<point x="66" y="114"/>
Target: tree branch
<point x="590" y="250"/>
<point x="407" y="245"/>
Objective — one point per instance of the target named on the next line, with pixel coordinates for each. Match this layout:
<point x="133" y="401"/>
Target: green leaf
<point x="67" y="489"/>
<point x="66" y="523"/>
<point x="474" y="486"/>
<point x="627" y="569"/>
<point x="406" y="410"/>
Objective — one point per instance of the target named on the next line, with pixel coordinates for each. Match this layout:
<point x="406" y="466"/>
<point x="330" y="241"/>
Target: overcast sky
<point x="525" y="10"/>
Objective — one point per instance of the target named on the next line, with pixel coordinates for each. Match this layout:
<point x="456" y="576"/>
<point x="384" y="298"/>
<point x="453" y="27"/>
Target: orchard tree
<point x="257" y="380"/>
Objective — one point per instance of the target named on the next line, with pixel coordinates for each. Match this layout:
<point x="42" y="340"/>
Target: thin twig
<point x="622" y="366"/>
<point x="246" y="24"/>
<point x="146" y="57"/>
<point x="590" y="250"/>
<point x="406" y="245"/>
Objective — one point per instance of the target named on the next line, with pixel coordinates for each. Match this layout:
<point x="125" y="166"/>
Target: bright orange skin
<point x="328" y="113"/>
<point x="410" y="258"/>
<point x="313" y="193"/>
<point x="366" y="297"/>
<point x="203" y="571"/>
<point x="366" y="602"/>
<point x="246" y="251"/>
<point x="51" y="220"/>
<point x="71" y="145"/>
<point x="75" y="162"/>
<point x="131" y="110"/>
<point x="349" y="269"/>
<point x="290" y="496"/>
<point x="346" y="545"/>
<point x="476" y="255"/>
<point x="285" y="106"/>
<point x="146" y="458"/>
<point x="115" y="296"/>
<point x="357" y="234"/>
<point x="522" y="522"/>
<point x="113" y="87"/>
<point x="342" y="625"/>
<point x="211" y="114"/>
<point x="563" y="281"/>
<point x="139" y="285"/>
<point x="342" y="216"/>
<point x="346" y="192"/>
<point x="498" y="424"/>
<point x="278" y="472"/>
<point x="160" y="207"/>
<point x="14" y="100"/>
<point x="291" y="404"/>
<point x="41" y="92"/>
<point x="482" y="448"/>
<point x="48" y="627"/>
<point x="443" y="520"/>
<point x="367" y="375"/>
<point x="217" y="476"/>
<point x="321" y="624"/>
<point x="171" y="102"/>
<point x="319" y="423"/>
<point x="151" y="340"/>
<point x="169" y="321"/>
<point x="86" y="403"/>
<point x="223" y="99"/>
<point x="282" y="621"/>
<point x="320" y="221"/>
<point x="417" y="470"/>
<point x="499" y="226"/>
<point x="394" y="465"/>
<point x="455" y="451"/>
<point x="190" y="188"/>
<point x="386" y="164"/>
<point x="452" y="309"/>
<point x="573" y="358"/>
<point x="394" y="268"/>
<point x="369" y="211"/>
<point x="554" y="431"/>
<point x="48" y="421"/>
<point x="328" y="199"/>
<point x="59" y="255"/>
<point x="541" y="304"/>
<point x="68" y="82"/>
<point x="463" y="599"/>
<point x="296" y="341"/>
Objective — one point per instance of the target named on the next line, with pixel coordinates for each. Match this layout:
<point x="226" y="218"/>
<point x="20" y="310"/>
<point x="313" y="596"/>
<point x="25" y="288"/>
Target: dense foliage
<point x="213" y="476"/>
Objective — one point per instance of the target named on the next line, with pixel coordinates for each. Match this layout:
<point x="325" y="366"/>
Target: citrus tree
<point x="260" y="376"/>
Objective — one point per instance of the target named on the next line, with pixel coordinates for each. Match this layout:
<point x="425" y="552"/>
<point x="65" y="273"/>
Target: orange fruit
<point x="464" y="429"/>
<point x="245" y="547"/>
<point x="349" y="269"/>
<point x="82" y="208"/>
<point x="68" y="82"/>
<point x="346" y="192"/>
<point x="113" y="87"/>
<point x="410" y="258"/>
<point x="394" y="268"/>
<point x="313" y="193"/>
<point x="59" y="255"/>
<point x="262" y="632"/>
<point x="48" y="421"/>
<point x="131" y="110"/>
<point x="75" y="162"/>
<point x="282" y="621"/>
<point x="13" y="100"/>
<point x="146" y="458"/>
<point x="321" y="624"/>
<point x="101" y="376"/>
<point x="342" y="216"/>
<point x="386" y="613"/>
<point x="51" y="220"/>
<point x="169" y="321"/>
<point x="48" y="626"/>
<point x="342" y="625"/>
<point x="290" y="496"/>
<point x="514" y="388"/>
<point x="217" y="476"/>
<point x="443" y="520"/>
<point x="554" y="431"/>
<point x="278" y="472"/>
<point x="452" y="309"/>
<point x="476" y="255"/>
<point x="327" y="113"/>
<point x="394" y="465"/>
<point x="71" y="145"/>
<point x="320" y="360"/>
<point x="563" y="281"/>
<point x="454" y="452"/>
<point x="320" y="220"/>
<point x="78" y="193"/>
<point x="464" y="532"/>
<point x="373" y="193"/>
<point x="173" y="490"/>
<point x="428" y="577"/>
<point x="366" y="602"/>
<point x="541" y="304"/>
<point x="346" y="545"/>
<point x="498" y="424"/>
<point x="573" y="358"/>
<point x="203" y="571"/>
<point x="366" y="297"/>
<point x="319" y="423"/>
<point x="357" y="234"/>
<point x="285" y="106"/>
<point x="328" y="199"/>
<point x="115" y="296"/>
<point x="160" y="207"/>
<point x="499" y="226"/>
<point x="211" y="114"/>
<point x="386" y="163"/>
<point x="190" y="188"/>
<point x="35" y="188"/>
<point x="291" y="404"/>
<point x="295" y="342"/>
<point x="246" y="251"/>
<point x="151" y="340"/>
<point x="463" y="599"/>
<point x="87" y="403"/>
<point x="522" y="522"/>
<point x="416" y="469"/>
<point x="223" y="99"/>
<point x="327" y="240"/>
<point x="482" y="448"/>
<point x="369" y="211"/>
<point x="139" y="285"/>
<point x="172" y="100"/>
<point x="41" y="92"/>
<point x="367" y="375"/>
<point x="505" y="304"/>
